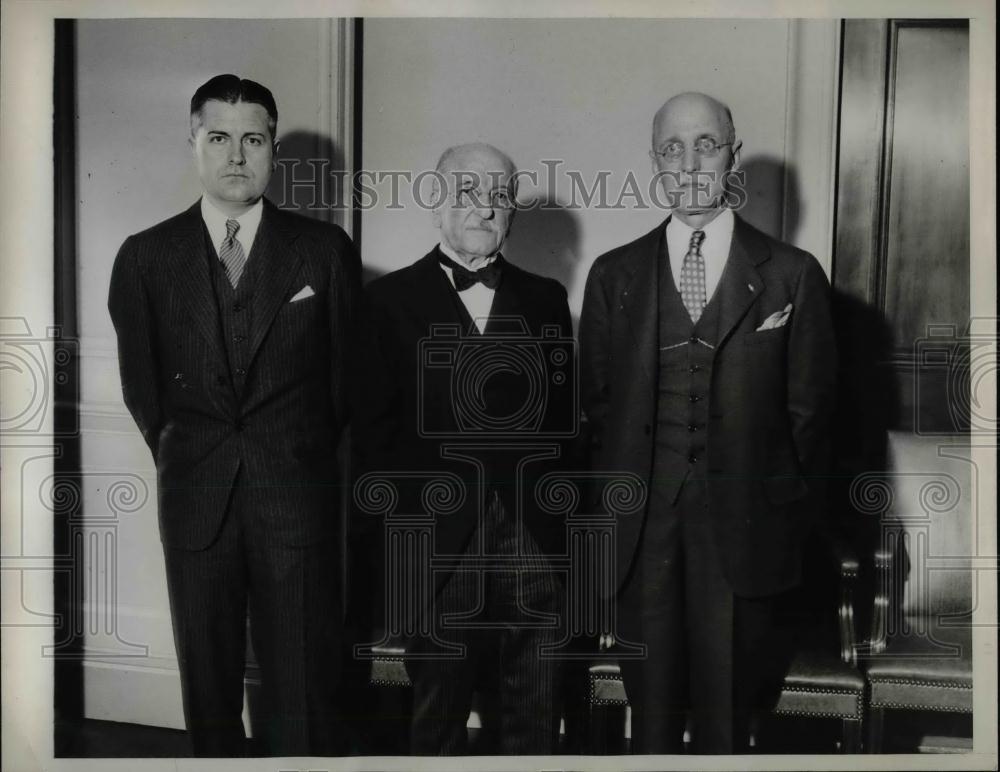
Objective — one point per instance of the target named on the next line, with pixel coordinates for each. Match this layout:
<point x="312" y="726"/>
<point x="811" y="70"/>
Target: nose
<point x="691" y="160"/>
<point x="236" y="156"/>
<point x="485" y="209"/>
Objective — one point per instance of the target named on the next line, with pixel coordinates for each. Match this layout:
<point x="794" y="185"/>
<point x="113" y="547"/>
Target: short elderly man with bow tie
<point x="708" y="364"/>
<point x="234" y="322"/>
<point x="465" y="285"/>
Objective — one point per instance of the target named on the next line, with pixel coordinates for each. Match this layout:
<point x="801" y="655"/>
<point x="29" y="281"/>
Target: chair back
<point x="928" y="521"/>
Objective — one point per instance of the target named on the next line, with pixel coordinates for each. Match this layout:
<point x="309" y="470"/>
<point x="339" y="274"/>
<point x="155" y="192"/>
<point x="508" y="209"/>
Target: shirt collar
<point x="215" y="221"/>
<point x="449" y="252"/>
<point x="719" y="230"/>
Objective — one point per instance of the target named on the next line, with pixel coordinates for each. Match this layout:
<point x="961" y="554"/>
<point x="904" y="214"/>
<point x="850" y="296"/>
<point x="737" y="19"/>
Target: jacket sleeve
<point x="812" y="372"/>
<point x="344" y="305"/>
<point x="131" y="313"/>
<point x="595" y="353"/>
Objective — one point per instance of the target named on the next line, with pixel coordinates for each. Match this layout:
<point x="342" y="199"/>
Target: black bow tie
<point x="464" y="278"/>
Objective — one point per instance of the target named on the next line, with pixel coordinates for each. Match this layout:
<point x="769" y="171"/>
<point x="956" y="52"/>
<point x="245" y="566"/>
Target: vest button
<point x="695" y="398"/>
<point x="221" y="380"/>
<point x="238" y="339"/>
<point x="694" y="368"/>
<point x="692" y="427"/>
<point x="239" y="426"/>
<point x="240" y="371"/>
<point x="238" y="307"/>
<point x="693" y="459"/>
<point x="648" y="429"/>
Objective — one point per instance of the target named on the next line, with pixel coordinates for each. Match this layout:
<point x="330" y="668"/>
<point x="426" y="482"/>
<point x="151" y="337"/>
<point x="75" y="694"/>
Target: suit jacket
<point x="405" y="412"/>
<point x="771" y="397"/>
<point x="279" y="433"/>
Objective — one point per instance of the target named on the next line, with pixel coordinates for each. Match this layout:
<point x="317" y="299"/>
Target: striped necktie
<point x="693" y="278"/>
<point x="231" y="254"/>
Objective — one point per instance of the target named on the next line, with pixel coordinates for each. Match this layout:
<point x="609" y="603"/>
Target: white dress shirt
<point x="215" y="221"/>
<point x="477" y="299"/>
<point x="714" y="248"/>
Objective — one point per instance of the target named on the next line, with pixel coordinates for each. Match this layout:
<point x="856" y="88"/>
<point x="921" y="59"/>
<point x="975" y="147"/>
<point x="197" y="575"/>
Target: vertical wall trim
<point x="877" y="277"/>
<point x="357" y="94"/>
<point x="793" y="31"/>
<point x="67" y="590"/>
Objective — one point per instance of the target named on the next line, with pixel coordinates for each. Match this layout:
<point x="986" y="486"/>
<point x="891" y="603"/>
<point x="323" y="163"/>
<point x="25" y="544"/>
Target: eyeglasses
<point x="498" y="199"/>
<point x="705" y="147"/>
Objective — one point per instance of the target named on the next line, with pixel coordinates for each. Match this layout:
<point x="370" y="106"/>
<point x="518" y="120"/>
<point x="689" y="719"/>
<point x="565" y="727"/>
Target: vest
<point x="235" y="312"/>
<point x="687" y="351"/>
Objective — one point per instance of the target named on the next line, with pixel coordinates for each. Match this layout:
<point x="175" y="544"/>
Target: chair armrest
<point x="883" y="562"/>
<point x="848" y="567"/>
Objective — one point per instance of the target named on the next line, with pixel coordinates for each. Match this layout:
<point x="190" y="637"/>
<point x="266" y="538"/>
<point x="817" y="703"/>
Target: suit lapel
<point x="508" y="302"/>
<point x="279" y="261"/>
<point x="188" y="267"/>
<point x="741" y="283"/>
<point x="639" y="299"/>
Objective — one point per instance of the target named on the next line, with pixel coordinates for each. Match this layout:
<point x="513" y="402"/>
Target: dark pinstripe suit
<point x="245" y="461"/>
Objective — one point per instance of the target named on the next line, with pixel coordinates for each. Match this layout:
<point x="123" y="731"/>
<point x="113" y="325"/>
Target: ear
<point x="736" y="154"/>
<point x="275" y="147"/>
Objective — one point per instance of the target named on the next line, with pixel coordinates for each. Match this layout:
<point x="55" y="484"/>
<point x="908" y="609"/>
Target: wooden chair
<point x="919" y="656"/>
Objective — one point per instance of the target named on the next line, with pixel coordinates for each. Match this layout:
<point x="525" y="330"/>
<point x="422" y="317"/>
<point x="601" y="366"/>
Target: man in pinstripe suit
<point x="233" y="322"/>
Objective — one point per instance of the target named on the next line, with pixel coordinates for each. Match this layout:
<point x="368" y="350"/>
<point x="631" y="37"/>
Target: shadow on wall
<point x="309" y="177"/>
<point x="545" y="239"/>
<point x="773" y="203"/>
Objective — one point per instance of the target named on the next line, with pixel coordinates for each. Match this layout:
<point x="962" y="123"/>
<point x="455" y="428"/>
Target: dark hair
<point x="232" y="89"/>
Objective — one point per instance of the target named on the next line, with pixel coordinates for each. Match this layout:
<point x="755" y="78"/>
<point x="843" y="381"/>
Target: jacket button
<point x="240" y="371"/>
<point x="693" y="459"/>
<point x="694" y="368"/>
<point x="648" y="429"/>
<point x="239" y="426"/>
<point x="220" y="379"/>
<point x="693" y="339"/>
<point x="692" y="427"/>
<point x="695" y="398"/>
<point x="178" y="376"/>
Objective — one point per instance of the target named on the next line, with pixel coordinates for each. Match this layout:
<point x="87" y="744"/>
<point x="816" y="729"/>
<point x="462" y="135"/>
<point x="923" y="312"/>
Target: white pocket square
<point x="302" y="294"/>
<point x="777" y="319"/>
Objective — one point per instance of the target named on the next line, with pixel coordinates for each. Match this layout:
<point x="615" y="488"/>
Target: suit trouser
<point x="293" y="598"/>
<point x="704" y="644"/>
<point x="496" y="608"/>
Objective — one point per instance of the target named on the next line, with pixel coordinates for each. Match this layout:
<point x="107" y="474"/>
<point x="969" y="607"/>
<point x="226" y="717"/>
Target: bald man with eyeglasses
<point x="708" y="366"/>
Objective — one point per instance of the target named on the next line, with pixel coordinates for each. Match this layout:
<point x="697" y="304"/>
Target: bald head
<point x="692" y="106"/>
<point x="474" y="155"/>
<point x="474" y="190"/>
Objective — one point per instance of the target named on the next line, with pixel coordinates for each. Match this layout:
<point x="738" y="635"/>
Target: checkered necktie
<point x="693" y="278"/>
<point x="231" y="254"/>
